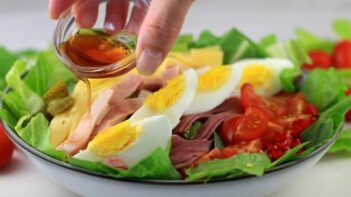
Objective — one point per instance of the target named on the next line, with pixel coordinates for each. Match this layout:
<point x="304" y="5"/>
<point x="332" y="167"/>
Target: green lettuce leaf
<point x="329" y="122"/>
<point x="253" y="164"/>
<point x="218" y="143"/>
<point x="236" y="46"/>
<point x="183" y="43"/>
<point x="309" y="41"/>
<point x="194" y="129"/>
<point x="323" y="88"/>
<point x="7" y="59"/>
<point x="287" y="78"/>
<point x="288" y="156"/>
<point x="268" y="41"/>
<point x="343" y="143"/>
<point x="342" y="28"/>
<point x="89" y="165"/>
<point x="46" y="72"/>
<point x="345" y="75"/>
<point x="35" y="132"/>
<point x="22" y="100"/>
<point x="206" y="39"/>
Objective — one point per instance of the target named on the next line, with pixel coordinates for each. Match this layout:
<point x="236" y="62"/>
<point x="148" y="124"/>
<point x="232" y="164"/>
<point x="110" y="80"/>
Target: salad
<point x="218" y="107"/>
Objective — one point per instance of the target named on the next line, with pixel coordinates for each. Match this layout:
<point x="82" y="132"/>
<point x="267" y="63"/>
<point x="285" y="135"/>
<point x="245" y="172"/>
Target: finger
<point x="159" y="30"/>
<point x="86" y="12"/>
<point x="116" y="14"/>
<point x="56" y="7"/>
<point x="136" y="18"/>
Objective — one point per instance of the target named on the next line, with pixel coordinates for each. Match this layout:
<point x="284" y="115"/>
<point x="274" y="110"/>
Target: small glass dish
<point x="67" y="27"/>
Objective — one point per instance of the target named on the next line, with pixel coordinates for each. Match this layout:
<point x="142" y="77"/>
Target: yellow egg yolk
<point x="113" y="139"/>
<point x="213" y="79"/>
<point x="167" y="95"/>
<point x="257" y="75"/>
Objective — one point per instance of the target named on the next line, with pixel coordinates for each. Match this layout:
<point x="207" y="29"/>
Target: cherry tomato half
<point x="320" y="59"/>
<point x="252" y="126"/>
<point x="6" y="148"/>
<point x="228" y="129"/>
<point x="342" y="54"/>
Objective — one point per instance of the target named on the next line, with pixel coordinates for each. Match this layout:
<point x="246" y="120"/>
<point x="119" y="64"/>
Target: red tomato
<point x="6" y="148"/>
<point x="320" y="59"/>
<point x="348" y="114"/>
<point x="228" y="129"/>
<point x="342" y="54"/>
<point x="253" y="146"/>
<point x="252" y="126"/>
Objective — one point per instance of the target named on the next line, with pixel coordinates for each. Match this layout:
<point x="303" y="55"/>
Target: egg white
<point x="208" y="100"/>
<point x="155" y="132"/>
<point x="277" y="65"/>
<point x="175" y="111"/>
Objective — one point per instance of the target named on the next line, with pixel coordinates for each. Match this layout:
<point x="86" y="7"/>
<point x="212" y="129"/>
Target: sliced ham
<point x="119" y="113"/>
<point x="185" y="152"/>
<point x="212" y="123"/>
<point x="171" y="72"/>
<point x="187" y="121"/>
<point x="232" y="104"/>
<point x="79" y="138"/>
<point x="152" y="84"/>
<point x="126" y="88"/>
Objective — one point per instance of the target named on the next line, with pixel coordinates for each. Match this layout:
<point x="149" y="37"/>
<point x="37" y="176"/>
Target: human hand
<point x="157" y="27"/>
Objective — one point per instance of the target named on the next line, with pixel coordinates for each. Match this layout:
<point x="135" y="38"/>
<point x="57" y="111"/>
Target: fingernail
<point x="149" y="61"/>
<point x="86" y="21"/>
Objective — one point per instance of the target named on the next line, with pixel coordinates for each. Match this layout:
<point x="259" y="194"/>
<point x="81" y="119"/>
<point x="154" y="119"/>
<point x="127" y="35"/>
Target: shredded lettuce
<point x="323" y="88"/>
<point x="46" y="72"/>
<point x="252" y="164"/>
<point x="268" y="41"/>
<point x="288" y="77"/>
<point x="309" y="41"/>
<point x="194" y="129"/>
<point x="22" y="96"/>
<point x="218" y="143"/>
<point x="343" y="143"/>
<point x="329" y="122"/>
<point x="35" y="132"/>
<point x="342" y="28"/>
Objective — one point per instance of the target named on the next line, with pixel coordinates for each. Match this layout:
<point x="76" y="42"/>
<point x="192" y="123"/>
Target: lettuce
<point x="194" y="129"/>
<point x="329" y="122"/>
<point x="323" y="88"/>
<point x="288" y="156"/>
<point x="252" y="164"/>
<point x="22" y="100"/>
<point x="287" y="78"/>
<point x="345" y="75"/>
<point x="35" y="132"/>
<point x="309" y="41"/>
<point x="268" y="41"/>
<point x="156" y="166"/>
<point x="218" y="143"/>
<point x="46" y="72"/>
<point x="343" y="143"/>
<point x="342" y="28"/>
<point x="206" y="39"/>
<point x="7" y="58"/>
<point x="183" y="43"/>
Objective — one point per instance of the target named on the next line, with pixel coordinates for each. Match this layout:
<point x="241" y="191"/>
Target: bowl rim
<point x="23" y="145"/>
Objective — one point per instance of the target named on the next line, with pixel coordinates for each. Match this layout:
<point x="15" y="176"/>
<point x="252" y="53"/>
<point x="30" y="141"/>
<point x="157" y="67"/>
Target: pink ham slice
<point x="232" y="104"/>
<point x="119" y="113"/>
<point x="185" y="152"/>
<point x="101" y="107"/>
<point x="171" y="72"/>
<point x="80" y="136"/>
<point x="187" y="121"/>
<point x="212" y="123"/>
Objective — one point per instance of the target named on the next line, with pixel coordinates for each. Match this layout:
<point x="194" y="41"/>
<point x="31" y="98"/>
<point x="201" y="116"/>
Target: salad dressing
<point x="95" y="50"/>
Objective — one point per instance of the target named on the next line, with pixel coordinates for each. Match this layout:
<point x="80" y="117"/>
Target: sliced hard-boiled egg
<point x="262" y="74"/>
<point x="129" y="142"/>
<point x="172" y="100"/>
<point x="214" y="86"/>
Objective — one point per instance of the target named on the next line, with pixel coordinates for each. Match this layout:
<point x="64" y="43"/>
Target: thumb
<point x="158" y="31"/>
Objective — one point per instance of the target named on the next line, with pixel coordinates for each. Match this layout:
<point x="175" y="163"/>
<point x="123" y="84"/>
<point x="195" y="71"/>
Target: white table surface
<point x="25" y="24"/>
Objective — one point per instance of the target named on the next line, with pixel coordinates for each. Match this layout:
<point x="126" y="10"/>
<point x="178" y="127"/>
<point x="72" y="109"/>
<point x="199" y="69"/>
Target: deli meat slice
<point x="126" y="88"/>
<point x="212" y="123"/>
<point x="185" y="152"/>
<point x="187" y="121"/>
<point x="232" y="104"/>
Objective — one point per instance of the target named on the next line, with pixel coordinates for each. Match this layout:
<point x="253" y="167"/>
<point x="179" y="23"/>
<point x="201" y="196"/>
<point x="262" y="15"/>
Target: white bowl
<point x="88" y="183"/>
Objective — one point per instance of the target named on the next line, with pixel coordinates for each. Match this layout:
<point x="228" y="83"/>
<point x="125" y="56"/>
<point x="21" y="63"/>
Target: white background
<point x="25" y="24"/>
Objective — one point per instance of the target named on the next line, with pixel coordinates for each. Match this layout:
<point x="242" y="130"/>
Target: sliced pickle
<point x="59" y="90"/>
<point x="59" y="105"/>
